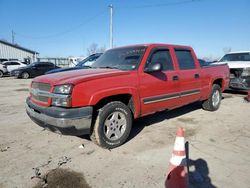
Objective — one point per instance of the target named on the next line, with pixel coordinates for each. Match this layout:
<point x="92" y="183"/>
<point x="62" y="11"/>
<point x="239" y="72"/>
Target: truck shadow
<point x="235" y="92"/>
<point x="141" y="123"/>
<point x="198" y="172"/>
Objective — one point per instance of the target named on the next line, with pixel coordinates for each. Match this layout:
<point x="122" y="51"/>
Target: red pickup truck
<point x="123" y="84"/>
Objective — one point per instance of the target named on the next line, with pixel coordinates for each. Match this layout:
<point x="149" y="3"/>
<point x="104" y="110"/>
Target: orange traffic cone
<point x="177" y="175"/>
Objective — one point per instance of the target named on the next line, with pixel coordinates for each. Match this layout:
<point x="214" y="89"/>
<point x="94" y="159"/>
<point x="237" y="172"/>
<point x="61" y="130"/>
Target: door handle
<point x="196" y="76"/>
<point x="175" y="78"/>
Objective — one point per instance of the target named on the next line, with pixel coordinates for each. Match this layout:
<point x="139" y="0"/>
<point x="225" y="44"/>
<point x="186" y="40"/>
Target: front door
<point x="159" y="90"/>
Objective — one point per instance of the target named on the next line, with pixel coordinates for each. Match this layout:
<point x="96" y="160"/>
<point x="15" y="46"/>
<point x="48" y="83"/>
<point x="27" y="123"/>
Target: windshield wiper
<point x="85" y="66"/>
<point x="108" y="67"/>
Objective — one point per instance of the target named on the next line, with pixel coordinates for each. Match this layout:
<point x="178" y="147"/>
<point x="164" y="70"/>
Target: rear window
<point x="185" y="59"/>
<point x="236" y="57"/>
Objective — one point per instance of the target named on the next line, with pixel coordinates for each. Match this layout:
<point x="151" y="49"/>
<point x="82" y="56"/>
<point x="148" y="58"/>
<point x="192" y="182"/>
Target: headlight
<point x="61" y="96"/>
<point x="62" y="101"/>
<point x="63" y="89"/>
<point x="246" y="72"/>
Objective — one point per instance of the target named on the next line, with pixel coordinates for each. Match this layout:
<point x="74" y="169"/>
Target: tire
<point x="112" y="125"/>
<point x="1" y="74"/>
<point x="214" y="100"/>
<point x="25" y="75"/>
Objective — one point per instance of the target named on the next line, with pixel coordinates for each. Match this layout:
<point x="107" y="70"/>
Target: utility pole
<point x="13" y="36"/>
<point x="111" y="27"/>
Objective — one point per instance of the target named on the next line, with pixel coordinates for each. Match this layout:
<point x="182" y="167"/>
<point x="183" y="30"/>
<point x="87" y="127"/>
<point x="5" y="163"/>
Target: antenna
<point x="111" y="26"/>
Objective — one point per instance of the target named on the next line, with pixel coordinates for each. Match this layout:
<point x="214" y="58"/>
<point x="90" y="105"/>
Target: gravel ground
<point x="218" y="147"/>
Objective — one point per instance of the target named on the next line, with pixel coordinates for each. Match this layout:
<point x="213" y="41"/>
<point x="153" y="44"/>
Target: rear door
<point x="49" y="66"/>
<point x="189" y="76"/>
<point x="41" y="68"/>
<point x="159" y="90"/>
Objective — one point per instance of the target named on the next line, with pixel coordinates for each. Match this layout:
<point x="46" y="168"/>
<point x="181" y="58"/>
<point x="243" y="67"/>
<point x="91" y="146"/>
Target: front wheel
<point x="1" y="73"/>
<point x="113" y="125"/>
<point x="25" y="75"/>
<point x="214" y="100"/>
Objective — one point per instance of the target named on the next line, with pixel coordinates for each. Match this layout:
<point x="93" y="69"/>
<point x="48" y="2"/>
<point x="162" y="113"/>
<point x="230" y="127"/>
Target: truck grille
<point x="235" y="73"/>
<point x="36" y="86"/>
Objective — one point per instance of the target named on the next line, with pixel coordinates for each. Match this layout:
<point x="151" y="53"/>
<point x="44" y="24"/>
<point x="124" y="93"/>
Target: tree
<point x="227" y="49"/>
<point x="93" y="48"/>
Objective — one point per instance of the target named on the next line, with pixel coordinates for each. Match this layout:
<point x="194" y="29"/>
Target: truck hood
<point x="78" y="76"/>
<point x="63" y="69"/>
<point x="236" y="64"/>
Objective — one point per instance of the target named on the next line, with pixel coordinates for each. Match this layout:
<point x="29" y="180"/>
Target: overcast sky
<point x="68" y="27"/>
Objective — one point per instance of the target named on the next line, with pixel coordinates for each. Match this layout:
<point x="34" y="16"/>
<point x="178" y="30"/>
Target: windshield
<point x="89" y="60"/>
<point x="236" y="57"/>
<point x="127" y="58"/>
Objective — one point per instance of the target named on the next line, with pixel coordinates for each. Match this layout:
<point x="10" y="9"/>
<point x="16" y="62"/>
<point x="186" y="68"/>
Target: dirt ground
<point x="219" y="145"/>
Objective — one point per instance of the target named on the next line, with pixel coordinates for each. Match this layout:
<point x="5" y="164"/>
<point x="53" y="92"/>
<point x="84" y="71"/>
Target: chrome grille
<point x="40" y="87"/>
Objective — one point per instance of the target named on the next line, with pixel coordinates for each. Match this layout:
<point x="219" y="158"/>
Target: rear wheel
<point x="113" y="125"/>
<point x="1" y="74"/>
<point x="25" y="75"/>
<point x="214" y="100"/>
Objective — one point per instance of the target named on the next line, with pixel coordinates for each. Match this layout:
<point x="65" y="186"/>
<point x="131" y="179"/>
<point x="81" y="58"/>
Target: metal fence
<point x="60" y="62"/>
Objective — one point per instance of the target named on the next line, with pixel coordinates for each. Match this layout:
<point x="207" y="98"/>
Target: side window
<point x="185" y="59"/>
<point x="8" y="63"/>
<point x="163" y="57"/>
<point x="42" y="65"/>
<point x="50" y="65"/>
<point x="15" y="63"/>
<point x="38" y="65"/>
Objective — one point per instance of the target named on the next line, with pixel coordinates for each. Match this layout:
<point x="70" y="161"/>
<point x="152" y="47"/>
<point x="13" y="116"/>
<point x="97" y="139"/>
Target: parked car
<point x="125" y="83"/>
<point x="3" y="70"/>
<point x="239" y="64"/>
<point x="3" y="60"/>
<point x="11" y="65"/>
<point x="33" y="70"/>
<point x="204" y="63"/>
<point x="86" y="63"/>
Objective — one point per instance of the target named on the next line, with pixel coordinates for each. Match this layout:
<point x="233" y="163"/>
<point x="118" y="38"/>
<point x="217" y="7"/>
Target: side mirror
<point x="153" y="68"/>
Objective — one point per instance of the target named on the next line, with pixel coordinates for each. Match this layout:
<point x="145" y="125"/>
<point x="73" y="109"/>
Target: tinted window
<point x="2" y="60"/>
<point x="11" y="63"/>
<point x="50" y="65"/>
<point x="7" y="63"/>
<point x="185" y="59"/>
<point x="163" y="57"/>
<point x="43" y="65"/>
<point x="15" y="63"/>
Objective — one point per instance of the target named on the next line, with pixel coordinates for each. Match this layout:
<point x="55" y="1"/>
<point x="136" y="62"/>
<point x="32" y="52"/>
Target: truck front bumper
<point x="67" y="121"/>
<point x="240" y="83"/>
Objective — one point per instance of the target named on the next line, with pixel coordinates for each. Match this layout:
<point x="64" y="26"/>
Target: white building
<point x="14" y="51"/>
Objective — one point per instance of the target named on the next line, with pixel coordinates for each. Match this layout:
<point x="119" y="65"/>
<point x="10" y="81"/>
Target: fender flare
<point x="95" y="98"/>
